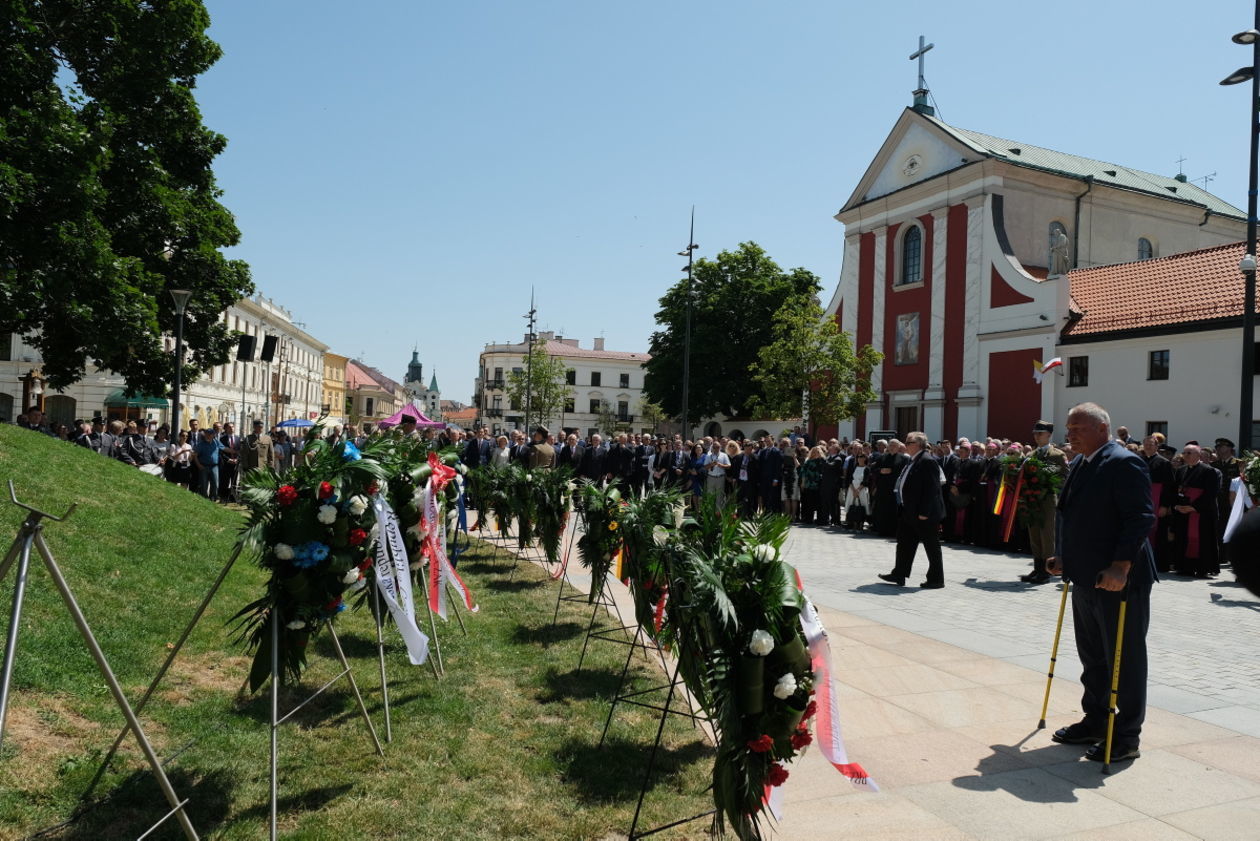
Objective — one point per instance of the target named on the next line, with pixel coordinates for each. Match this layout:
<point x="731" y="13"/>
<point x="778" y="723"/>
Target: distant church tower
<point x="426" y="399"/>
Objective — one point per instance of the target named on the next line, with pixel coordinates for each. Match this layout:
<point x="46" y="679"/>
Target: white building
<point x="1158" y="344"/>
<point x="222" y="394"/>
<point x="427" y="398"/>
<point x="596" y="377"/>
<point x="957" y="246"/>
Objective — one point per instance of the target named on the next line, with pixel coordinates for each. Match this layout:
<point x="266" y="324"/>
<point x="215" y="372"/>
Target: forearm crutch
<point x="1054" y="653"/>
<point x="1115" y="681"/>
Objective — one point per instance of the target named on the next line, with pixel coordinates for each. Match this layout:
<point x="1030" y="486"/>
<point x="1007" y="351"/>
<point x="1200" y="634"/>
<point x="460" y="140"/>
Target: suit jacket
<point x="771" y="467"/>
<point x="620" y="461"/>
<point x="921" y="492"/>
<point x="592" y="465"/>
<point x="1105" y="515"/>
<point x="571" y="457"/>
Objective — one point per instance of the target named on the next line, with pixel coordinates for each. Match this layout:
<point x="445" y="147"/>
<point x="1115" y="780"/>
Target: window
<point x="369" y="406"/>
<point x="912" y="256"/>
<point x="625" y="380"/>
<point x="623" y="409"/>
<point x="570" y="377"/>
<point x="1158" y="367"/>
<point x="1145" y="250"/>
<point x="498" y="376"/>
<point x="1078" y="371"/>
<point x="595" y="378"/>
<point x="594" y="410"/>
<point x="1156" y="426"/>
<point x="515" y="404"/>
<point x="568" y="405"/>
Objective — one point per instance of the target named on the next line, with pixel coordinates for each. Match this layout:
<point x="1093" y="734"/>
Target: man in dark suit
<point x="593" y="458"/>
<point x="229" y="464"/>
<point x="920" y="508"/>
<point x="771" y="478"/>
<point x="570" y="455"/>
<point x="1105" y="519"/>
<point x="619" y="463"/>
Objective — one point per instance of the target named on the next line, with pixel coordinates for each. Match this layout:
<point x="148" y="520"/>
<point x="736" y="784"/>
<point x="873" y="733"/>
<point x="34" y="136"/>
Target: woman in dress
<point x="180" y="462"/>
<point x="811" y="477"/>
<point x="857" y="500"/>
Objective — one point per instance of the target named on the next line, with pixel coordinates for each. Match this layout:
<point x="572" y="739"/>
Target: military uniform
<point x="1041" y="515"/>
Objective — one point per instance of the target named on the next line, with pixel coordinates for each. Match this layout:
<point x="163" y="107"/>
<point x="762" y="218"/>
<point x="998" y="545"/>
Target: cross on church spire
<point x="921" y="92"/>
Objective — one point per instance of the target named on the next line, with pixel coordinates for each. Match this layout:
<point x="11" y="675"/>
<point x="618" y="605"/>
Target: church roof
<point x="1115" y="175"/>
<point x="1193" y="288"/>
<point x="360" y="374"/>
<point x="433" y="386"/>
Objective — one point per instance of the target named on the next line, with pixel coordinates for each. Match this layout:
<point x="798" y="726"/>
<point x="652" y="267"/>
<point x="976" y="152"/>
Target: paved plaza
<point x="941" y="690"/>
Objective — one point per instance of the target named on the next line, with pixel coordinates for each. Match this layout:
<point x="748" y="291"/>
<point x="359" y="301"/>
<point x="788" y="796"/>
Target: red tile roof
<point x="1184" y="288"/>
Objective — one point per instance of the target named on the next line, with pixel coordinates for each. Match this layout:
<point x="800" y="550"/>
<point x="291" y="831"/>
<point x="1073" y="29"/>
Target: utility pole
<point x="529" y="358"/>
<point x="689" y="253"/>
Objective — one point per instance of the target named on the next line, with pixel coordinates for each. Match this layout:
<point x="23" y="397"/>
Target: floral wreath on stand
<point x="1032" y="479"/>
<point x="551" y="491"/>
<point x="601" y="538"/>
<point x="311" y="531"/>
<point x="647" y="527"/>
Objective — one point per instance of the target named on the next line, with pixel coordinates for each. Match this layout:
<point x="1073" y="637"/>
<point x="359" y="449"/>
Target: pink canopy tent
<point x="421" y="420"/>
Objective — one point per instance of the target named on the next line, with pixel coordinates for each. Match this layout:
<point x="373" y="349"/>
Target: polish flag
<point x="1039" y="370"/>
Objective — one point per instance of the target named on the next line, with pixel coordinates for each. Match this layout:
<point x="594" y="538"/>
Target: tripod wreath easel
<point x="31" y="536"/>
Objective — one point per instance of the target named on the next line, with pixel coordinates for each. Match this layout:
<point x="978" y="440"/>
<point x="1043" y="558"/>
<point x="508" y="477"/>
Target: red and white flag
<point x="1039" y="370"/>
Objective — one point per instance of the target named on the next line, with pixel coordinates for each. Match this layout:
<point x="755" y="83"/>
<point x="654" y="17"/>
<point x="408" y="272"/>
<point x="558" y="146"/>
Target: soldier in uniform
<point x="1230" y="467"/>
<point x="541" y="454"/>
<point x="1041" y="515"/>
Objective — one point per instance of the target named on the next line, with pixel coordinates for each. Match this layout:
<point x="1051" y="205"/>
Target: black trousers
<point x="911" y="531"/>
<point x="1095" y="615"/>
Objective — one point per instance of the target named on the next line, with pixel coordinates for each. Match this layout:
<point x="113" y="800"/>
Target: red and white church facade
<point x="957" y="249"/>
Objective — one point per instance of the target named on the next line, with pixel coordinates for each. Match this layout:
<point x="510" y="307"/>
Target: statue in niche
<point x="1060" y="260"/>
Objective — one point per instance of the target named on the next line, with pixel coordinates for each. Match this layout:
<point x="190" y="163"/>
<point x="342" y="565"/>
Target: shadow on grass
<point x="325" y="709"/>
<point x="587" y="683"/>
<point x="548" y="634"/>
<point x="615" y="771"/>
<point x="310" y="800"/>
<point x="355" y="646"/>
<point x="517" y="585"/>
<point x="137" y="803"/>
<point x="483" y="566"/>
<point x="375" y="707"/>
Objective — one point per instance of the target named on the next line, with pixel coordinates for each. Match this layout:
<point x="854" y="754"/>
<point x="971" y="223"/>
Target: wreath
<point x="601" y="538"/>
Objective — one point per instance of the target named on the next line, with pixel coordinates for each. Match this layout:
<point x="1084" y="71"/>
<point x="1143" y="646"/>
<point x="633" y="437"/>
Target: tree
<point x="107" y="198"/>
<point x="811" y="367"/>
<point x="652" y="414"/>
<point x="606" y="419"/>
<point x="736" y="297"/>
<point x="544" y="384"/>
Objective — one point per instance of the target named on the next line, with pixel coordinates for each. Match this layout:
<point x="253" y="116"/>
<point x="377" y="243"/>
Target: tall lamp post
<point x="181" y="297"/>
<point x="689" y="253"/>
<point x="529" y="362"/>
<point x="1247" y="265"/>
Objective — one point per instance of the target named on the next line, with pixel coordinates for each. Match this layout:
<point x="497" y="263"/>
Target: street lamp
<point x="689" y="253"/>
<point x="180" y="297"/>
<point x="1247" y="265"/>
<point x="529" y="362"/>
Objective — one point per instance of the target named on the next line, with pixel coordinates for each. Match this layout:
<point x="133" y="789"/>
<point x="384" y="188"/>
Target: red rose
<point x="286" y="495"/>
<point x="777" y="775"/>
<point x="332" y="605"/>
<point x="366" y="565"/>
<point x="761" y="744"/>
<point x="801" y="738"/>
<point x="372" y="489"/>
<point x="357" y="536"/>
<point x="1032" y="468"/>
<point x="325" y="490"/>
<point x="810" y="710"/>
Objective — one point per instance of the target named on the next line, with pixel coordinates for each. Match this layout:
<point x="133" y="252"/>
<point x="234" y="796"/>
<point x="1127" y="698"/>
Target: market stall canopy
<point x="412" y="411"/>
<point x="118" y="399"/>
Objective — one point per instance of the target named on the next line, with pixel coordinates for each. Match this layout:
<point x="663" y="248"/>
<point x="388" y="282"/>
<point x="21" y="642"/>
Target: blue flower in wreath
<point x="351" y="452"/>
<point x="309" y="554"/>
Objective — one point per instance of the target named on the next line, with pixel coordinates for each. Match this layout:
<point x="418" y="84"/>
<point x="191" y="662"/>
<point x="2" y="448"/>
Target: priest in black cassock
<point x="884" y="497"/>
<point x="1195" y="516"/>
<point x="1164" y="493"/>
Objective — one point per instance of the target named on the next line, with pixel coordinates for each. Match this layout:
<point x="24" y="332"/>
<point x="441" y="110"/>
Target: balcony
<point x="498" y="384"/>
<point x="494" y="413"/>
<point x="625" y="418"/>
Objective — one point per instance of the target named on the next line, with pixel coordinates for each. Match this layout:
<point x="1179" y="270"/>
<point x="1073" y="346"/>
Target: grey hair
<point x="918" y="438"/>
<point x="1092" y="410"/>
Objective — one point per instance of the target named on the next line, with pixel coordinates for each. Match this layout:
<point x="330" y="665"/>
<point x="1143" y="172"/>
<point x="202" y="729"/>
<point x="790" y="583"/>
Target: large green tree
<point x="543" y="383"/>
<point x="107" y="197"/>
<point x="735" y="298"/>
<point x="811" y="367"/>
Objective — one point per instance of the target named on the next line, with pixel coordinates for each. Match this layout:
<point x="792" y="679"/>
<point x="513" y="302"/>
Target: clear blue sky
<point x="403" y="171"/>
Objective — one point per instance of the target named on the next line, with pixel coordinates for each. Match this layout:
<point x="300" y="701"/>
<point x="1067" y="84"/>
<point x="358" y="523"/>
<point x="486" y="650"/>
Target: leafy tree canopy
<point x="543" y="383"/>
<point x="811" y="367"/>
<point x="736" y="298"/>
<point x="107" y="197"/>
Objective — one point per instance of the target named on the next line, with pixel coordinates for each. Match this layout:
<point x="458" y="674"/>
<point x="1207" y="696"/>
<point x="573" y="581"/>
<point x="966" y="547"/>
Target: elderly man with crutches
<point x="1105" y="517"/>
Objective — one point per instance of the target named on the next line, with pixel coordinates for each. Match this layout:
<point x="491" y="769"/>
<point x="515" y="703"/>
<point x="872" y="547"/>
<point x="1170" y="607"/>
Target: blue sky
<point x="404" y="171"/>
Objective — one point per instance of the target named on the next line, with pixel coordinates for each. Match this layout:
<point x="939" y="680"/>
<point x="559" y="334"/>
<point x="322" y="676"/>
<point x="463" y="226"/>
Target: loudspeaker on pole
<point x="245" y="349"/>
<point x="269" y="347"/>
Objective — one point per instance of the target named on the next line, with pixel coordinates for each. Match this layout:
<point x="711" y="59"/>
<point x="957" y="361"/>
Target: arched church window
<point x="912" y="256"/>
<point x="1146" y="251"/>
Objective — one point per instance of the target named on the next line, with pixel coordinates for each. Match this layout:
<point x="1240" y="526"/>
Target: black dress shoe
<point x="1035" y="578"/>
<point x="1079" y="733"/>
<point x="932" y="585"/>
<point x="1119" y="752"/>
<point x="895" y="580"/>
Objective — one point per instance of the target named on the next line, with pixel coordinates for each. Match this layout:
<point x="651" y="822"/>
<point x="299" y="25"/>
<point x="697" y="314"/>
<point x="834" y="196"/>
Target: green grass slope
<point x="503" y="747"/>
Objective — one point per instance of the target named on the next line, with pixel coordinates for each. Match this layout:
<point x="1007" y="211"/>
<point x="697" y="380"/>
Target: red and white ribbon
<point x="441" y="570"/>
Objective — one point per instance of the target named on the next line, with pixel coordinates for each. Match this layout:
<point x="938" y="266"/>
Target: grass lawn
<point x="504" y="746"/>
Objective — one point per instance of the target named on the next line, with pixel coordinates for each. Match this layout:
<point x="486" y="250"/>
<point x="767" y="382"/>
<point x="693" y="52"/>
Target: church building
<point x="427" y="398"/>
<point x="957" y="251"/>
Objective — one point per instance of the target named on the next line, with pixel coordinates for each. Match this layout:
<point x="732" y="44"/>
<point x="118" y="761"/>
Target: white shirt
<point x="712" y="460"/>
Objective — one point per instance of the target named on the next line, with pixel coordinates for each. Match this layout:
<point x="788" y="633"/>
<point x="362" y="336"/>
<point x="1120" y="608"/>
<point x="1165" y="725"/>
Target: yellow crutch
<point x="1115" y="681"/>
<point x="1054" y="653"/>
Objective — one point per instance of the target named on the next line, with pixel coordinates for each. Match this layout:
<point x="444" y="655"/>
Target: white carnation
<point x="461" y="469"/>
<point x="357" y="505"/>
<point x="763" y="552"/>
<point x="786" y="687"/>
<point x="660" y="535"/>
<point x="296" y="625"/>
<point x="284" y="551"/>
<point x="351" y="576"/>
<point x="762" y="644"/>
<point x="327" y="514"/>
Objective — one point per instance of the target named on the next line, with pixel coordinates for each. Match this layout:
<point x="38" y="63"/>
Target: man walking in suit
<point x="1105" y="518"/>
<point x="920" y="509"/>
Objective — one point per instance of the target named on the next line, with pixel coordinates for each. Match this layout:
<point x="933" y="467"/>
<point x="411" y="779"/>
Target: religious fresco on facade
<point x="907" y="348"/>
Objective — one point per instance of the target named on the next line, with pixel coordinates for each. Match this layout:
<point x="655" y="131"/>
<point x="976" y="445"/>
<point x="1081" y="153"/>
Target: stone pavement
<point x="940" y="692"/>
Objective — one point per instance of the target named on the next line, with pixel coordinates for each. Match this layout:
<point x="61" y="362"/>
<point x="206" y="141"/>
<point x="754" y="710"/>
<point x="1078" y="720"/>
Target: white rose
<point x="529" y="477"/>
<point x="327" y="514"/>
<point x="571" y="487"/>
<point x="357" y="505"/>
<point x="350" y="577"/>
<point x="284" y="551"/>
<point x="786" y="687"/>
<point x="762" y="644"/>
<point x="461" y="469"/>
<point x="763" y="552"/>
<point x="660" y="535"/>
<point x="296" y="625"/>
